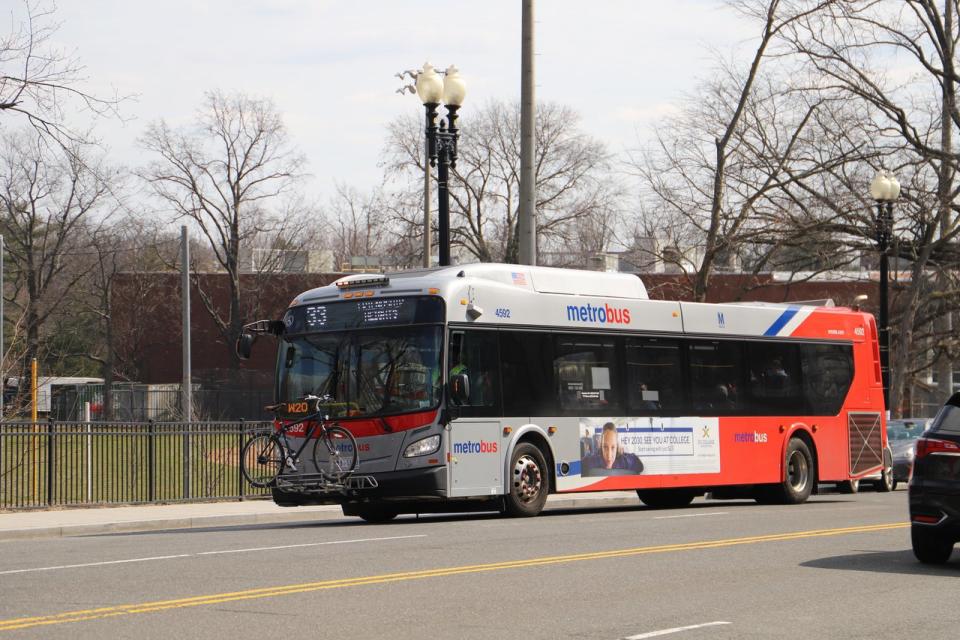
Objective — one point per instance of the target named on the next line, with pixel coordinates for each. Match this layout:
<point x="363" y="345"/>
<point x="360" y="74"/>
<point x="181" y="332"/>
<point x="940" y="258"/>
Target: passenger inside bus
<point x="471" y="355"/>
<point x="649" y="400"/>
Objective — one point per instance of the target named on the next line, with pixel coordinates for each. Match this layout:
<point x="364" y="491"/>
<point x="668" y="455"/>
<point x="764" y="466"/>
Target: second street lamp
<point x="884" y="190"/>
<point x="442" y="139"/>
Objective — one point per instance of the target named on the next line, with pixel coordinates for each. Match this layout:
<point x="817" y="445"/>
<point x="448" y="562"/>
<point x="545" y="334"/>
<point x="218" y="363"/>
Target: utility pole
<point x="426" y="171"/>
<point x="186" y="387"/>
<point x="3" y="380"/>
<point x="185" y="390"/>
<point x="528" y="117"/>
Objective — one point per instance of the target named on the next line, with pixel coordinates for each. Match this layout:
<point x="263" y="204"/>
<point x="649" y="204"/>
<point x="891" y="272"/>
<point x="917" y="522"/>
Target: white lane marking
<point x="663" y="632"/>
<point x="204" y="553"/>
<point x="93" y="564"/>
<point x="693" y="515"/>
<point x="308" y="544"/>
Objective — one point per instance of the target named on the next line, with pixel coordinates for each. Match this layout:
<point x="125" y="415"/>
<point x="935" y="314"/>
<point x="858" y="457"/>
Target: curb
<point x="299" y="514"/>
<point x="160" y="524"/>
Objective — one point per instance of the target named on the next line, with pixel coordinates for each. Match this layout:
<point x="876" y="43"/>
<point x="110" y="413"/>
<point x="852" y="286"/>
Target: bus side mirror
<point x="245" y="345"/>
<point x="460" y="388"/>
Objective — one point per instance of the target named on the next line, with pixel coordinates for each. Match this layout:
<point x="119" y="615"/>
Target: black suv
<point x="935" y="487"/>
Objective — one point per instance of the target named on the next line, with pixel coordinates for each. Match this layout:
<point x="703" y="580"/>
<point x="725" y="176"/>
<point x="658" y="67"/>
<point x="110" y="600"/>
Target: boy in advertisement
<point x="611" y="460"/>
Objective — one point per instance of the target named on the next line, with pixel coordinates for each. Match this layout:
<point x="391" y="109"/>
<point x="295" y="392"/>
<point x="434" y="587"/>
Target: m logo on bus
<point x="721" y="322"/>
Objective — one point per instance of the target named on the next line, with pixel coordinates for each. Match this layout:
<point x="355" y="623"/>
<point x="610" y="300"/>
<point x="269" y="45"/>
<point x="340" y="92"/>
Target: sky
<point x="329" y="66"/>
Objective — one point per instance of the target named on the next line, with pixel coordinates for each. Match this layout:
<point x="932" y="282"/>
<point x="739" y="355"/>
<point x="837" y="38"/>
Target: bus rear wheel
<point x="849" y="486"/>
<point x="665" y="498"/>
<point x="799" y="474"/>
<point x="886" y="482"/>
<point x="529" y="482"/>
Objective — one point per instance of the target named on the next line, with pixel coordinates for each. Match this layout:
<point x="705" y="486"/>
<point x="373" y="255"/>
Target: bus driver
<point x="610" y="460"/>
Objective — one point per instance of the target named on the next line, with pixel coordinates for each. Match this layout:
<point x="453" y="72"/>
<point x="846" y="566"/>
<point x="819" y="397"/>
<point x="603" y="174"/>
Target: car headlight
<point x="422" y="447"/>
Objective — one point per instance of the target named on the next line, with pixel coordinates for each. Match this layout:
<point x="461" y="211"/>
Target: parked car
<point x="935" y="487"/>
<point x="902" y="436"/>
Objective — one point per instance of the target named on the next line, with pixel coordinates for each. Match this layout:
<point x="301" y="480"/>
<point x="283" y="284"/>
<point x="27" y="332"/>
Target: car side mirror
<point x="245" y="345"/>
<point x="460" y="388"/>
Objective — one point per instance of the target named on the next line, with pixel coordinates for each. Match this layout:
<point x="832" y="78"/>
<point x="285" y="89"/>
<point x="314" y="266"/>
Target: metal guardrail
<point x="74" y="463"/>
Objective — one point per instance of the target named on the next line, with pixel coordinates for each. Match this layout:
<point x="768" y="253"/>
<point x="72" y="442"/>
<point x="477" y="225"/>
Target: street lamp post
<point x="442" y="139"/>
<point x="884" y="190"/>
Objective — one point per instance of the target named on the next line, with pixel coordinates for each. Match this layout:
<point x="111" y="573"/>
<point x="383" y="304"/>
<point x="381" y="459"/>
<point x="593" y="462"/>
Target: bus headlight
<point x="422" y="447"/>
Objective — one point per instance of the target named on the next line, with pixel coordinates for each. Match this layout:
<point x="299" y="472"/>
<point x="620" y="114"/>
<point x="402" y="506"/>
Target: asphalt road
<point x="837" y="567"/>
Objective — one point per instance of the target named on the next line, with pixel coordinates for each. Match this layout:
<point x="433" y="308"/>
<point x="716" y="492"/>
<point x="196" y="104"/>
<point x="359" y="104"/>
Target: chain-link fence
<point x="69" y="463"/>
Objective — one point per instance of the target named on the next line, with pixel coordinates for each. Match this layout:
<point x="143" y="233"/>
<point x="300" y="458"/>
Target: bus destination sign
<point x="355" y="314"/>
<point x="382" y="310"/>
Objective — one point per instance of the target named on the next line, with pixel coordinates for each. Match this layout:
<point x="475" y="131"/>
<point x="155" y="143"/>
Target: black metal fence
<point x="69" y="463"/>
<point x="139" y="403"/>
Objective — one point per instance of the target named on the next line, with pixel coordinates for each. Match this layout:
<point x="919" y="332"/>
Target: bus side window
<point x="586" y="374"/>
<point x="774" y="379"/>
<point x="527" y="366"/>
<point x="475" y="354"/>
<point x="827" y="375"/>
<point x="654" y="375"/>
<point x="715" y="376"/>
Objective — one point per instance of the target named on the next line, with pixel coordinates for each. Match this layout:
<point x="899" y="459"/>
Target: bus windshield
<point x="371" y="372"/>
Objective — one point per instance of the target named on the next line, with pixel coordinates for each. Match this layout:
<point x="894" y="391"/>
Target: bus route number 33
<point x="502" y="313"/>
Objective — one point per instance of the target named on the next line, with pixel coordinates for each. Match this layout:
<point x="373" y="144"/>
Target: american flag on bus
<point x="519" y="278"/>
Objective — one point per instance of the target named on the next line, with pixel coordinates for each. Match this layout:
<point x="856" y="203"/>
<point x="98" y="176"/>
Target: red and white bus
<point x="489" y="386"/>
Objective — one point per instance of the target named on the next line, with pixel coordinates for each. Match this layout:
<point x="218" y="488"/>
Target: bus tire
<point x="886" y="482"/>
<point x="529" y="482"/>
<point x="799" y="474"/>
<point x="372" y="513"/>
<point x="665" y="498"/>
<point x="849" y="486"/>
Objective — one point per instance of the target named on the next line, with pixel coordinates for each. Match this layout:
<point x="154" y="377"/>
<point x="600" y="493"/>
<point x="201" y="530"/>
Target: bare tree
<point x="573" y="175"/>
<point x="356" y="226"/>
<point x="46" y="200"/>
<point x="713" y="178"/>
<point x="234" y="174"/>
<point x="847" y="43"/>
<point x="125" y="248"/>
<point x="38" y="81"/>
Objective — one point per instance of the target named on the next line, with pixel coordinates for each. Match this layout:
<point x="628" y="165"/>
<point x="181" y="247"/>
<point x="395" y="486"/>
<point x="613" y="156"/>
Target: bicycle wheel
<point x="335" y="454"/>
<point x="261" y="460"/>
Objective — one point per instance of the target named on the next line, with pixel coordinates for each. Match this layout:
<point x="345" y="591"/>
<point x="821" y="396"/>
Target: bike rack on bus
<point x="318" y="483"/>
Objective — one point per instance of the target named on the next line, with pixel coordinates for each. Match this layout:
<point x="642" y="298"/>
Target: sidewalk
<point x="22" y="525"/>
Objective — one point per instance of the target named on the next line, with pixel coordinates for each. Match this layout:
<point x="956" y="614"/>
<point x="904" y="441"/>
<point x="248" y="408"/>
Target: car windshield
<point x="904" y="429"/>
<point x="367" y="373"/>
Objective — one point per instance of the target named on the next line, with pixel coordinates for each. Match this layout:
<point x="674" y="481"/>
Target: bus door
<point x="475" y="458"/>
<point x="475" y="445"/>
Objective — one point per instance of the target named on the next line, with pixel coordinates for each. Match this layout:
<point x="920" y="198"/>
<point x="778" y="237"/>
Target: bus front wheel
<point x="371" y="512"/>
<point x="529" y="481"/>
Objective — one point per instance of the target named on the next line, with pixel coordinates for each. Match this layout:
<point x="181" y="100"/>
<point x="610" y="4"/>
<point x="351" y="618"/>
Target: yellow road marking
<point x="270" y="592"/>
